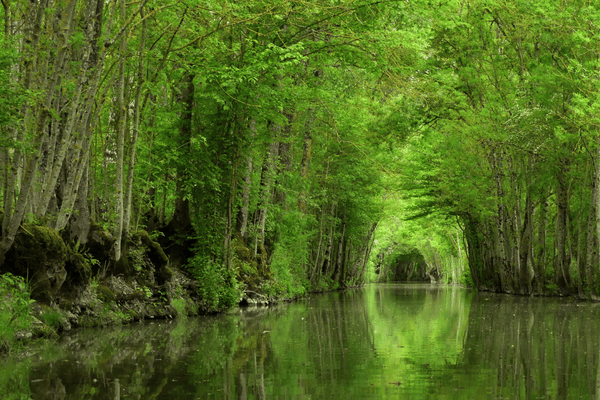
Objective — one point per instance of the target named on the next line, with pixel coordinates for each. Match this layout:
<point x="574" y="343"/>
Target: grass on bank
<point x="15" y="307"/>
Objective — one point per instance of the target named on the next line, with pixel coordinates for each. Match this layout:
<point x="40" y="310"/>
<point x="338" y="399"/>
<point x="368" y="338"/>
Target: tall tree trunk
<point x="285" y="158"/>
<point x="80" y="108"/>
<point x="367" y="256"/>
<point x="525" y="247"/>
<point x="246" y="186"/>
<point x="80" y="222"/>
<point x="23" y="170"/>
<point x="328" y="258"/>
<point x="596" y="202"/>
<point x="581" y="256"/>
<point x="306" y="157"/>
<point x="121" y="128"/>
<point x="500" y="262"/>
<point x="475" y="250"/>
<point x="541" y="244"/>
<point x="75" y="168"/>
<point x="7" y="16"/>
<point x="381" y="267"/>
<point x="266" y="186"/>
<point x="526" y="243"/>
<point x="561" y="268"/>
<point x="591" y="250"/>
<point x="315" y="271"/>
<point x="135" y="128"/>
<point x="340" y="264"/>
<point x="229" y="217"/>
<point x="519" y="265"/>
<point x="80" y="115"/>
<point x="13" y="220"/>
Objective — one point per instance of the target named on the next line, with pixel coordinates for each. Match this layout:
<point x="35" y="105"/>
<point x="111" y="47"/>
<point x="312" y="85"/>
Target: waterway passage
<point x="394" y="341"/>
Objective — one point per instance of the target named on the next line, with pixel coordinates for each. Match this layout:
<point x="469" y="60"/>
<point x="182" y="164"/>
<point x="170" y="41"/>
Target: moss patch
<point x="39" y="254"/>
<point x="99" y="244"/>
<point x="105" y="294"/>
<point x="158" y="258"/>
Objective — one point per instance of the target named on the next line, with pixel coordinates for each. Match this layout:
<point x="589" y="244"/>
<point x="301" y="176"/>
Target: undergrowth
<point x="15" y="305"/>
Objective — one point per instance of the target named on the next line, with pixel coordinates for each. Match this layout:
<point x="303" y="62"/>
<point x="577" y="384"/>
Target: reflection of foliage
<point x="536" y="344"/>
<point x="14" y="381"/>
<point x="431" y="326"/>
<point x="217" y="340"/>
<point x="388" y="341"/>
<point x="258" y="353"/>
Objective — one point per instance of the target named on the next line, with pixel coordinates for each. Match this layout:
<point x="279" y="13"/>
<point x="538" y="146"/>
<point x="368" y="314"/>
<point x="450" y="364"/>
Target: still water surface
<point x="381" y="342"/>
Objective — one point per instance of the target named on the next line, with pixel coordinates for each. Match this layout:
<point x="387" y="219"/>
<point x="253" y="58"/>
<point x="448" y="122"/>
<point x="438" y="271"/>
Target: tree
<point x="506" y="142"/>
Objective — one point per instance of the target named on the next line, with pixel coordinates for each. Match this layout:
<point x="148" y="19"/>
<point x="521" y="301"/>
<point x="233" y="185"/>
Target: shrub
<point x="217" y="286"/>
<point x="288" y="271"/>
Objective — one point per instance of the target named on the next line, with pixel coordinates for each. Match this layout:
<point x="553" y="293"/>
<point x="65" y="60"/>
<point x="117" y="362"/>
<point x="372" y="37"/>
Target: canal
<point x="395" y="341"/>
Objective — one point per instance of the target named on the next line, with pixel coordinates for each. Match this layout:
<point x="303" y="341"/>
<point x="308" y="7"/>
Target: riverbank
<point x="50" y="285"/>
<point x="113" y="300"/>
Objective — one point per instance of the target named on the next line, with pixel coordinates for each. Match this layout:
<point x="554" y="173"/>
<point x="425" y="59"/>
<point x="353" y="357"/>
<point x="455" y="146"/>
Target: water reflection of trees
<point x="536" y="347"/>
<point x="277" y="352"/>
<point x="135" y="361"/>
<point x="311" y="348"/>
<point x="340" y="337"/>
<point x="436" y="341"/>
<point x="310" y="351"/>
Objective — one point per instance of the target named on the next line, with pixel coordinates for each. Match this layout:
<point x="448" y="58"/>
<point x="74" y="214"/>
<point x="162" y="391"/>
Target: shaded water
<point x="380" y="342"/>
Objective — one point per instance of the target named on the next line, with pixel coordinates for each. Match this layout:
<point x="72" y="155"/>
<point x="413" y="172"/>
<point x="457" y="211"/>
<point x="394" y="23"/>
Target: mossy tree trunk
<point x="121" y="132"/>
<point x="135" y="129"/>
<point x="266" y="188"/>
<point x="242" y="220"/>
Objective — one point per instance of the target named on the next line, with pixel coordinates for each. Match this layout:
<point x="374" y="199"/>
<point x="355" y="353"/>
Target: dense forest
<point x="284" y="147"/>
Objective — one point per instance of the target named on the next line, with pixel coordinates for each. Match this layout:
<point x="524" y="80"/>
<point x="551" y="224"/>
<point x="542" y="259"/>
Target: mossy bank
<point x="50" y="283"/>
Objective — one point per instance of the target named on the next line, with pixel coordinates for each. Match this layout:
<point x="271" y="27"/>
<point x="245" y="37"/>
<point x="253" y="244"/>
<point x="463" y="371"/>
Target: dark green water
<point x="381" y="342"/>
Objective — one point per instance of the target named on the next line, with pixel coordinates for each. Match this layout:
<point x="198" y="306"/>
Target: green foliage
<point x="291" y="255"/>
<point x="85" y="252"/>
<point x="179" y="303"/>
<point x="498" y="116"/>
<point x="146" y="292"/>
<point x="11" y="95"/>
<point x="289" y="279"/>
<point x="346" y="114"/>
<point x="52" y="318"/>
<point x="15" y="306"/>
<point x="217" y="286"/>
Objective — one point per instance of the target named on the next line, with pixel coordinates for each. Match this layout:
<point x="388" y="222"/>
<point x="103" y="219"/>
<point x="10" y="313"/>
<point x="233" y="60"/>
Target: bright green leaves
<point x="11" y="95"/>
<point x="254" y="77"/>
<point x="511" y="94"/>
